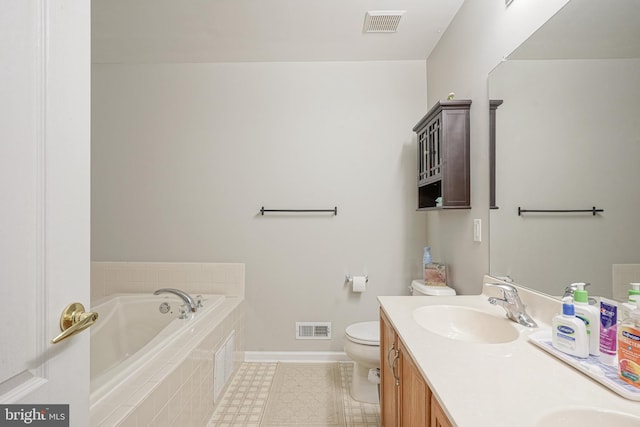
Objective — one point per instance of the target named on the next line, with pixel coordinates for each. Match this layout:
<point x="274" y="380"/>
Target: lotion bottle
<point x="608" y="332"/>
<point x="568" y="333"/>
<point x="426" y="260"/>
<point x="630" y="305"/>
<point x="590" y="315"/>
<point x="629" y="348"/>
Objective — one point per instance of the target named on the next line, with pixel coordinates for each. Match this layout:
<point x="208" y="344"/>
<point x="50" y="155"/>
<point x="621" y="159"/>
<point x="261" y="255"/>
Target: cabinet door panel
<point x="438" y="417"/>
<point x="389" y="393"/>
<point x="414" y="394"/>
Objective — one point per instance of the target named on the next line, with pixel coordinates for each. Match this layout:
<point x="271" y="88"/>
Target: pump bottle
<point x="630" y="305"/>
<point x="568" y="333"/>
<point x="426" y="260"/>
<point x="629" y="348"/>
<point x="590" y="315"/>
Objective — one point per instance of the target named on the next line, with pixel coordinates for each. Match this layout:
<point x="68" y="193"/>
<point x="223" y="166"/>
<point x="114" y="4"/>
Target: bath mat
<point x="305" y="394"/>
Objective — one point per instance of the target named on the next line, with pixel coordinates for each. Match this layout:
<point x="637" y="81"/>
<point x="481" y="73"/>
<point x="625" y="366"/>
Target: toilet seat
<point x="366" y="333"/>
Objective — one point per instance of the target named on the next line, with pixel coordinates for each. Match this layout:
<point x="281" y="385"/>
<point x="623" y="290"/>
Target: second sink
<point x="465" y="324"/>
<point x="586" y="417"/>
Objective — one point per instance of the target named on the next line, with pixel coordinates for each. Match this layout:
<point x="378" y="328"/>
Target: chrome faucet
<point x="512" y="304"/>
<point x="190" y="302"/>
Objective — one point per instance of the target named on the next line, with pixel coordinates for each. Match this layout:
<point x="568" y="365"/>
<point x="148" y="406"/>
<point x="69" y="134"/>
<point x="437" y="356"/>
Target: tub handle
<point x="73" y="320"/>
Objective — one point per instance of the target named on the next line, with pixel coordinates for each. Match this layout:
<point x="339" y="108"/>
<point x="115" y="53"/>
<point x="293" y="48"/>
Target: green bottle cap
<point x="580" y="296"/>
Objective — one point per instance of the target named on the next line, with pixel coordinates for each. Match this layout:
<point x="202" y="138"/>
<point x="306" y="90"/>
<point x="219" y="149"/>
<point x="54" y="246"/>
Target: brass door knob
<point x="73" y="320"/>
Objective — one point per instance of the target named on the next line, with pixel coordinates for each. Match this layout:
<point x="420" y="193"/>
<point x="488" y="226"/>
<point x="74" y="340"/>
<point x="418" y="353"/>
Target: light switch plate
<point x="477" y="230"/>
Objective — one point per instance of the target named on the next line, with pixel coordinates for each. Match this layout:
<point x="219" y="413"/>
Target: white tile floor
<point x="244" y="401"/>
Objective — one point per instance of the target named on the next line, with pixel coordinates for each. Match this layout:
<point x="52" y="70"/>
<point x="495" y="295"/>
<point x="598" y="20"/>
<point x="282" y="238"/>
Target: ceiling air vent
<point x="382" y="21"/>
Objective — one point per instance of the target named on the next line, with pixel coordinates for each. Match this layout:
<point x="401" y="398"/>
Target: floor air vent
<point x="313" y="330"/>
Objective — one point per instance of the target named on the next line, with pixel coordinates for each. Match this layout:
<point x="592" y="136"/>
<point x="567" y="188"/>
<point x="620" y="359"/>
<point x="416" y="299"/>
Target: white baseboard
<point x="295" y="356"/>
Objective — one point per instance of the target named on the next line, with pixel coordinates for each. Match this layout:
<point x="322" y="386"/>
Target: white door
<point x="44" y="201"/>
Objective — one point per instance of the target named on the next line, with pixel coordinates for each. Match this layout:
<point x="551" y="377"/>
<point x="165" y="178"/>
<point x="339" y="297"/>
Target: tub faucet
<point x="512" y="304"/>
<point x="191" y="303"/>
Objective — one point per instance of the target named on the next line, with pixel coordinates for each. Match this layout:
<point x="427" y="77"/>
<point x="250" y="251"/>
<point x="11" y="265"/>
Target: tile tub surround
<point x="176" y="389"/>
<point x="492" y="372"/>
<point x="141" y="277"/>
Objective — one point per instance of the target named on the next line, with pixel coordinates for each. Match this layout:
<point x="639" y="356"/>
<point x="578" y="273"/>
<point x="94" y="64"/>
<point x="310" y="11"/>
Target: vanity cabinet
<point x="438" y="417"/>
<point x="389" y="374"/>
<point x="415" y="396"/>
<point x="443" y="156"/>
<point x="405" y="398"/>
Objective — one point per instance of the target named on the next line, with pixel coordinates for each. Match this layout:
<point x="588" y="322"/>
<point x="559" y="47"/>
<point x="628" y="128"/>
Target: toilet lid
<point x="367" y="333"/>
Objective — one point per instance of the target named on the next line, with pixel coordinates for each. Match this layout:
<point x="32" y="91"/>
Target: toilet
<point x="363" y="347"/>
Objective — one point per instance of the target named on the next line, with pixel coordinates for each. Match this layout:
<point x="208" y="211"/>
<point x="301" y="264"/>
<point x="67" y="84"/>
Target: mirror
<point x="568" y="138"/>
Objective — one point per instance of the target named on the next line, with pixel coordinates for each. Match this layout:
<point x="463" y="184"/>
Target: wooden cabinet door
<point x="389" y="366"/>
<point x="405" y="397"/>
<point x="414" y="393"/>
<point x="438" y="417"/>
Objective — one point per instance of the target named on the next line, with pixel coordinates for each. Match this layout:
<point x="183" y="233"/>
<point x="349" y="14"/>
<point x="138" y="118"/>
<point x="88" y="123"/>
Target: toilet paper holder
<point x="349" y="278"/>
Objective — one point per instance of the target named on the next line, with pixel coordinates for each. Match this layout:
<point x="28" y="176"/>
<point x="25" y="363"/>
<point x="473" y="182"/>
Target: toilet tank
<point x="418" y="288"/>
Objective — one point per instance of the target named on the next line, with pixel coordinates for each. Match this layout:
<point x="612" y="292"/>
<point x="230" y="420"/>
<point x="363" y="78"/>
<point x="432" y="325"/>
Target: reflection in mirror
<point x="567" y="138"/>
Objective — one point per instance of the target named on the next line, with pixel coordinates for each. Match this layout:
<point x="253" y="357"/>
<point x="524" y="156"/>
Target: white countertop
<point x="512" y="384"/>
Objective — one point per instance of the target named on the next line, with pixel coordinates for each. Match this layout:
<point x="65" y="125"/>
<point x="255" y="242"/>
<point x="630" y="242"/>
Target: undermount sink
<point x="588" y="418"/>
<point x="465" y="324"/>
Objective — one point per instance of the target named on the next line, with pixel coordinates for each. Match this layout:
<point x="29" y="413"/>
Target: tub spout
<point x="188" y="299"/>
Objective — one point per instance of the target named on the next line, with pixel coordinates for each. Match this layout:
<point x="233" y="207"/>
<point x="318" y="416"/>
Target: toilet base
<point x="362" y="389"/>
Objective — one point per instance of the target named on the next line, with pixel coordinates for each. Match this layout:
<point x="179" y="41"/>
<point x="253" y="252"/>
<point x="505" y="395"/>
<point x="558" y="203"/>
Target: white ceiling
<point x="587" y="29"/>
<point x="156" y="31"/>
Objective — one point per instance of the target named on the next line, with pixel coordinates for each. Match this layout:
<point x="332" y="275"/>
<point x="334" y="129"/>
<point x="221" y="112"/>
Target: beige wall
<point x="184" y="156"/>
<point x="482" y="33"/>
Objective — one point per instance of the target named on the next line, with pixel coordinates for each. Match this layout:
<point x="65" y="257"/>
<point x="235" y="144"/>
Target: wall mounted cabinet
<point x="443" y="156"/>
<point x="493" y="106"/>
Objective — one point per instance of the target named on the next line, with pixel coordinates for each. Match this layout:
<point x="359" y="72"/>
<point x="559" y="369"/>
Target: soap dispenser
<point x="590" y="315"/>
<point x="629" y="348"/>
<point x="634" y="291"/>
<point x="426" y="260"/>
<point x="630" y="305"/>
<point x="568" y="333"/>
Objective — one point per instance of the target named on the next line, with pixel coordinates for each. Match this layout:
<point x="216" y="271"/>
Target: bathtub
<point x="132" y="330"/>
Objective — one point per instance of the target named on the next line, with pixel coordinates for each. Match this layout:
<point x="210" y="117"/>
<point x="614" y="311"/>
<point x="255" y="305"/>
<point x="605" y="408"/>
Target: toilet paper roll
<point x="359" y="283"/>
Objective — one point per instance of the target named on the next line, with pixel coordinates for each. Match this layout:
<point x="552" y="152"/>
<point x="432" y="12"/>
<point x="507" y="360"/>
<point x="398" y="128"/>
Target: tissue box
<point x="435" y="274"/>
